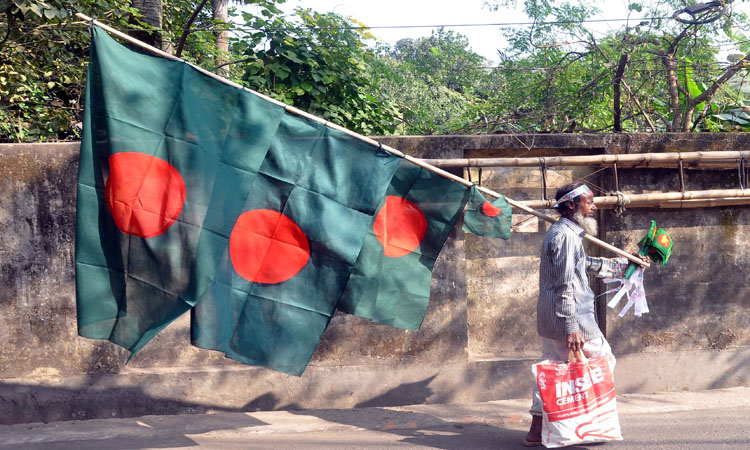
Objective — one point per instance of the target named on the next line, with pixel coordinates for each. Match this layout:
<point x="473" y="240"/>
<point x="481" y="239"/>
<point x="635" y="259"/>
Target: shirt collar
<point x="577" y="229"/>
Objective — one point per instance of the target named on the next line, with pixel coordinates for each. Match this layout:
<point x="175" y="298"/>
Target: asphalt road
<point x="684" y="421"/>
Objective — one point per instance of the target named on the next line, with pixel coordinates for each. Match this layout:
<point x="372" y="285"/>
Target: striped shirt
<point x="566" y="301"/>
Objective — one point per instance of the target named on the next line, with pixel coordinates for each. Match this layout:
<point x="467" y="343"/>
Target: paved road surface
<point x="717" y="419"/>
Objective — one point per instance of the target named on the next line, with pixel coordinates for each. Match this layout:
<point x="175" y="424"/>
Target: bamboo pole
<point x="641" y="200"/>
<point x="299" y="112"/>
<point x="675" y="204"/>
<point x="706" y="203"/>
<point x="718" y="159"/>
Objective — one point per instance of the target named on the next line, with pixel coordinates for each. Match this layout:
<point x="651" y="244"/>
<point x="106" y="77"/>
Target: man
<point x="566" y="318"/>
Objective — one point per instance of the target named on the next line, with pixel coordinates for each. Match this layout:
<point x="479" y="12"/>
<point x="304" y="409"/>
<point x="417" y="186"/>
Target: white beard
<point x="589" y="224"/>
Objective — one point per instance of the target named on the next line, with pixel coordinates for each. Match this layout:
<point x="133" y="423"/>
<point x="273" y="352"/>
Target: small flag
<point x="390" y="283"/>
<point x="488" y="219"/>
<point x="657" y="245"/>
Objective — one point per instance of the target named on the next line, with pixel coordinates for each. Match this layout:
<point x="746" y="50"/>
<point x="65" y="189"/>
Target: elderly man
<point x="566" y="318"/>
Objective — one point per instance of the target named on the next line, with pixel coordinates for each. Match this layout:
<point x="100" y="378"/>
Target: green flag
<point x="657" y="245"/>
<point x="488" y="219"/>
<point x="390" y="282"/>
<point x="194" y="192"/>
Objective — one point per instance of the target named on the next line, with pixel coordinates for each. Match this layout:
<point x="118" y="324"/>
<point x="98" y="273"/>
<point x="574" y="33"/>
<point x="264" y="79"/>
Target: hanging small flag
<point x="657" y="245"/>
<point x="632" y="288"/>
<point x="488" y="219"/>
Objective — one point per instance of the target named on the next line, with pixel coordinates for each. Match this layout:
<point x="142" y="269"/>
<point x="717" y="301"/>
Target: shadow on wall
<point x="738" y="368"/>
<point x="23" y="403"/>
<point x="406" y="394"/>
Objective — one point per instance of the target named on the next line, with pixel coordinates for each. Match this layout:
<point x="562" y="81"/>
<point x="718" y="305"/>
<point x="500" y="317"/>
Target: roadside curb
<point x="504" y="413"/>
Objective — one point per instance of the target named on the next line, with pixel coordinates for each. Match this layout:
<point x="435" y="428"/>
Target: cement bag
<point x="579" y="401"/>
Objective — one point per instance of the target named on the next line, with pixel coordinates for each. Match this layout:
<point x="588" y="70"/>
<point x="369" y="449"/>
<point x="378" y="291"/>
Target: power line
<point x="376" y="27"/>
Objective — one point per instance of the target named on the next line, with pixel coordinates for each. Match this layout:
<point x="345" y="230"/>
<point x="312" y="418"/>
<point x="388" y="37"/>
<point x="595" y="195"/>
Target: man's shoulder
<point x="560" y="231"/>
<point x="562" y="227"/>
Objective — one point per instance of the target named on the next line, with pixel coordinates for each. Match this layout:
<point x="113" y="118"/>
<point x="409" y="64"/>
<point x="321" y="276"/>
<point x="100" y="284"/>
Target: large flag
<point x="390" y="283"/>
<point x="488" y="219"/>
<point x="194" y="191"/>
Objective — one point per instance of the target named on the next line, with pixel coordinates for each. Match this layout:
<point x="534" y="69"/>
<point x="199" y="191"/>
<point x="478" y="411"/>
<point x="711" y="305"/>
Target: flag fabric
<point x="192" y="192"/>
<point x="488" y="219"/>
<point x="390" y="283"/>
<point x="657" y="244"/>
<point x="261" y="310"/>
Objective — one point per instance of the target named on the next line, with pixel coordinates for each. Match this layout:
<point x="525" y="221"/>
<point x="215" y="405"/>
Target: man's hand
<point x="575" y="341"/>
<point x="642" y="258"/>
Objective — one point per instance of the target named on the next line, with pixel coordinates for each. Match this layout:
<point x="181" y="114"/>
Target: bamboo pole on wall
<point x="672" y="159"/>
<point x="706" y="203"/>
<point x="712" y="197"/>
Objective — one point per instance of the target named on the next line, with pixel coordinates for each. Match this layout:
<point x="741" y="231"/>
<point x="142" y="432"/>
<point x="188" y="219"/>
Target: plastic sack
<point x="579" y="401"/>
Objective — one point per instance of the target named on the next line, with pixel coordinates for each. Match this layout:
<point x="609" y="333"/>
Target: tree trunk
<point x="687" y="117"/>
<point x="220" y="13"/>
<point x="674" y="91"/>
<point x="152" y="15"/>
<point x="617" y="92"/>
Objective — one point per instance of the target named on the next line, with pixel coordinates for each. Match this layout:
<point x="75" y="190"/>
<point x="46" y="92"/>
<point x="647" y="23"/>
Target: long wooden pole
<point x="720" y="158"/>
<point x="299" y="112"/>
<point x="654" y="198"/>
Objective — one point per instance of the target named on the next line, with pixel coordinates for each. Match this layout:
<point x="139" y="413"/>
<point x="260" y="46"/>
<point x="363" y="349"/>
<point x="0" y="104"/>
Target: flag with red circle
<point x="390" y="283"/>
<point x="488" y="219"/>
<point x="192" y="192"/>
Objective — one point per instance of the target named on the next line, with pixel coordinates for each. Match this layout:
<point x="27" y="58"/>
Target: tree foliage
<point x="657" y="74"/>
<point x="555" y="75"/>
<point x="42" y="64"/>
<point x="438" y="83"/>
<point x="318" y="63"/>
<point x="314" y="61"/>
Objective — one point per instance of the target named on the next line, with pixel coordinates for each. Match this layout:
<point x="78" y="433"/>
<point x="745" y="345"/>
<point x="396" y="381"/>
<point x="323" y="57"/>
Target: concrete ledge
<point x="133" y="393"/>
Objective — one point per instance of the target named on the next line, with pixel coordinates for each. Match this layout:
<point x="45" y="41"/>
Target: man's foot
<point x="534" y="437"/>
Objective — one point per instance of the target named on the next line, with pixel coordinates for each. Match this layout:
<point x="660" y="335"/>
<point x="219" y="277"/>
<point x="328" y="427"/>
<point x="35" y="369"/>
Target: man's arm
<point x="607" y="267"/>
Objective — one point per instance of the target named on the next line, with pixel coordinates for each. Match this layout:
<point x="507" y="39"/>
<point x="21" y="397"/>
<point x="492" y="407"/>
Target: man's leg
<point x="553" y="350"/>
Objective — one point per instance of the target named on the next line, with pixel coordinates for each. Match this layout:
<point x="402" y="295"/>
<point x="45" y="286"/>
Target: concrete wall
<point x="478" y="337"/>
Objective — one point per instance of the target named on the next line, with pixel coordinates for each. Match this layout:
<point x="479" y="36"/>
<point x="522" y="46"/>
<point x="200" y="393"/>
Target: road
<point x="686" y="421"/>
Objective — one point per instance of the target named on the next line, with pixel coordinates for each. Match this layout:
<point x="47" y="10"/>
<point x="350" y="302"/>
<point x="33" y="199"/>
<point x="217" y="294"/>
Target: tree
<point x="316" y="62"/>
<point x="221" y="16"/>
<point x="659" y="74"/>
<point x="438" y="83"/>
<point x="151" y="15"/>
<point x="43" y="54"/>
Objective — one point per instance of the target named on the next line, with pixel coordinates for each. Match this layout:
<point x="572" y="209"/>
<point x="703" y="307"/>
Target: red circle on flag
<point x="400" y="226"/>
<point x="267" y="247"/>
<point x="145" y="194"/>
<point x="491" y="210"/>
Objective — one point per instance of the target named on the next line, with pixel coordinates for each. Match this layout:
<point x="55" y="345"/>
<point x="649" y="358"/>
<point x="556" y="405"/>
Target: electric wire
<point x="381" y="27"/>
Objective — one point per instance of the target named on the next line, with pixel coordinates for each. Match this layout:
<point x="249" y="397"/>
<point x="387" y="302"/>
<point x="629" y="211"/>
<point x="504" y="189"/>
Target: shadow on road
<point x="146" y="432"/>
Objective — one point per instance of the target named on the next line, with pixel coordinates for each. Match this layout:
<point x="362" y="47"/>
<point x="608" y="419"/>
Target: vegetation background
<point x="662" y="70"/>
